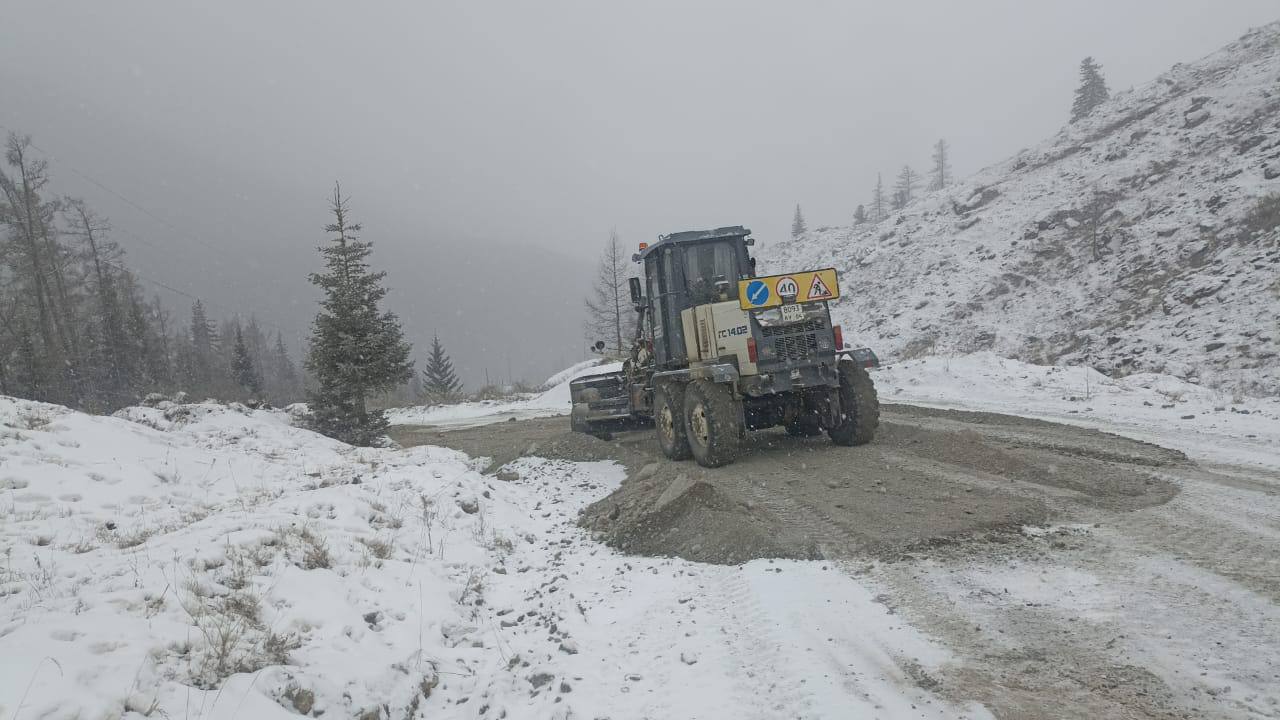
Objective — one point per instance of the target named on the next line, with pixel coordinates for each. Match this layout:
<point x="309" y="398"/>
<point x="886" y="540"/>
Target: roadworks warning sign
<point x="774" y="290"/>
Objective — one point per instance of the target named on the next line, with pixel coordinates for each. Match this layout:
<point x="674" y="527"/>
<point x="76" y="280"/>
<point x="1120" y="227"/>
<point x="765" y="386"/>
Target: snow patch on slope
<point x="1206" y="424"/>
<point x="1130" y="241"/>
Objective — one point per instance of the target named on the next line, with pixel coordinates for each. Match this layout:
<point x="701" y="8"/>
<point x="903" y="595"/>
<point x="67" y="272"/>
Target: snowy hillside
<point x="1132" y="241"/>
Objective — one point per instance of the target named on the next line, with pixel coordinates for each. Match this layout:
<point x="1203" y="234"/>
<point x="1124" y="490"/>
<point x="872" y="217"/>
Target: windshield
<point x="711" y="271"/>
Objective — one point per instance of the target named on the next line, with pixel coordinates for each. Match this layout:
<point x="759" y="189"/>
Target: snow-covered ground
<point x="151" y="555"/>
<point x="554" y="400"/>
<point x="1207" y="424"/>
<point x="207" y="561"/>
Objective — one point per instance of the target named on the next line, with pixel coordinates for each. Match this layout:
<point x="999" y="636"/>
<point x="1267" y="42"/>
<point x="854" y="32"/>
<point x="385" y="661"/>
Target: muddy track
<point x="931" y="477"/>
<point x="1072" y="573"/>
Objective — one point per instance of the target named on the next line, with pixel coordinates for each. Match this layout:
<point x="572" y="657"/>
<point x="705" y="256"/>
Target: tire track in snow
<point x="753" y="652"/>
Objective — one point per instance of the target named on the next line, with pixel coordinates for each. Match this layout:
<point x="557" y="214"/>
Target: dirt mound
<point x="930" y="478"/>
<point x="698" y="519"/>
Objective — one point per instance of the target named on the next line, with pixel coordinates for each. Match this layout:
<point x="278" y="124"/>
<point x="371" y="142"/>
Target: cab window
<point x="711" y="272"/>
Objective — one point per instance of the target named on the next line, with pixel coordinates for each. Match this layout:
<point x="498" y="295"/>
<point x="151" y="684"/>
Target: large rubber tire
<point x="806" y="425"/>
<point x="714" y="421"/>
<point x="668" y="420"/>
<point x="859" y="406"/>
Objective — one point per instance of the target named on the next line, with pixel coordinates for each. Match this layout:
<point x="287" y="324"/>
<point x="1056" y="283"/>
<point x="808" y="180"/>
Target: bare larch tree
<point x="609" y="314"/>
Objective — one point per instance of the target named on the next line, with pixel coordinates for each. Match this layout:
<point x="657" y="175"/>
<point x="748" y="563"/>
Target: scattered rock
<point x="1195" y="118"/>
<point x="303" y="700"/>
<point x="647" y="471"/>
<point x="689" y="657"/>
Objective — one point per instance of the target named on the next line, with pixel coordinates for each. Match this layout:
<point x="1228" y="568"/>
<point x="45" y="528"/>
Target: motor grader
<point x="719" y="351"/>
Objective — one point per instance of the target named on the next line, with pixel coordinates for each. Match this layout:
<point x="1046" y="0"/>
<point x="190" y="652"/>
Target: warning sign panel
<point x="818" y="290"/>
<point x="775" y="290"/>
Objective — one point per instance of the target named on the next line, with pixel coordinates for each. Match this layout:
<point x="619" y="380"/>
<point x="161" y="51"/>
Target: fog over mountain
<point x="489" y="149"/>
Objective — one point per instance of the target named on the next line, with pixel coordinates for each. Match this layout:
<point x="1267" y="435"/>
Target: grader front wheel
<point x="668" y="420"/>
<point x="714" y="422"/>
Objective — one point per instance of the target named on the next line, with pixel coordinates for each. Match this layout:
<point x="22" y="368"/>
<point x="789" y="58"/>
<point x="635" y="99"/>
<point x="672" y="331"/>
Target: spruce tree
<point x="415" y="389"/>
<point x="356" y="349"/>
<point x="256" y="342"/>
<point x="879" y="203"/>
<point x="1092" y="91"/>
<point x="204" y="348"/>
<point x="243" y="370"/>
<point x="905" y="190"/>
<point x="798" y="227"/>
<point x="439" y="383"/>
<point x="145" y="337"/>
<point x="859" y="215"/>
<point x="940" y="176"/>
<point x="285" y="386"/>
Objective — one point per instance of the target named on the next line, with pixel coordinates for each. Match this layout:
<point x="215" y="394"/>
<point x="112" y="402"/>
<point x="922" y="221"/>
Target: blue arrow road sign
<point x="757" y="292"/>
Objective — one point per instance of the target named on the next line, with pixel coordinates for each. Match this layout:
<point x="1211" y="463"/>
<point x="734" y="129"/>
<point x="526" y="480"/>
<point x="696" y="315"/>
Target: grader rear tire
<point x="668" y="420"/>
<point x="714" y="422"/>
<point x="859" y="406"/>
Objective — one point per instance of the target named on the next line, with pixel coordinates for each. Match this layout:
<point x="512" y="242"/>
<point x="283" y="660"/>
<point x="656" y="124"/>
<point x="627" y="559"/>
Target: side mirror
<point x="636" y="294"/>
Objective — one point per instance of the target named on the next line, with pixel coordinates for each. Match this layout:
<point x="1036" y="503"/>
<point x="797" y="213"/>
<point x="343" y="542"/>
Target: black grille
<point x="811" y="325"/>
<point x="796" y="347"/>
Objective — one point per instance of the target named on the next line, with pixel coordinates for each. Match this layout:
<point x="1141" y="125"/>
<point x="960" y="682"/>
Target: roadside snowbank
<point x="1206" y="424"/>
<point x="206" y="561"/>
<point x="552" y="401"/>
<point x="151" y="555"/>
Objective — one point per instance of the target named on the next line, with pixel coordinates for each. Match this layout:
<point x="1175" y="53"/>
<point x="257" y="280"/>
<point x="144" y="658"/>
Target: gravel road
<point x="1072" y="573"/>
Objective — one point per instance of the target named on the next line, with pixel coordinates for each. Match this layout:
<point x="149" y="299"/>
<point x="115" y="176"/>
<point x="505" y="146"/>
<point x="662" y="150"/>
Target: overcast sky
<point x="489" y="147"/>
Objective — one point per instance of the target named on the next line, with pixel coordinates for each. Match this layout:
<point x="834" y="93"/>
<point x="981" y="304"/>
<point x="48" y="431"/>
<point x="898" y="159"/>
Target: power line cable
<point x="253" y="313"/>
<point x="189" y="296"/>
<point x="120" y="196"/>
